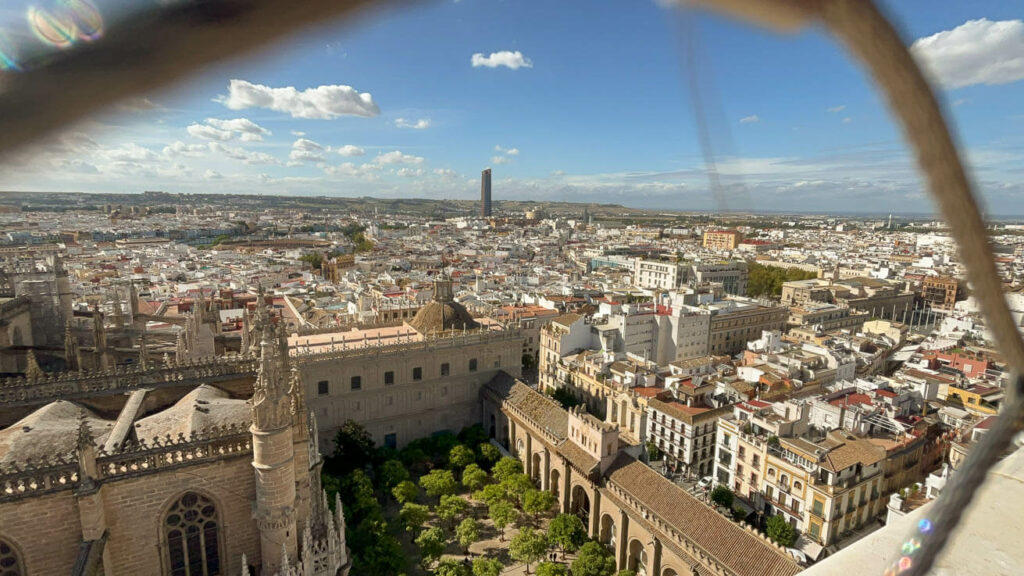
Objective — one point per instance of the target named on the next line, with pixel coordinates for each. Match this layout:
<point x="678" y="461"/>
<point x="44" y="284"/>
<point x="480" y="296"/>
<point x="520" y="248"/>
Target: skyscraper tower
<point x="485" y="193"/>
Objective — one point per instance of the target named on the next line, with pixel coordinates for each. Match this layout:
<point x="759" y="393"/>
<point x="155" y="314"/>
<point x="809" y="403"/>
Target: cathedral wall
<point x="46" y="531"/>
<point x="135" y="511"/>
<point x="408" y="408"/>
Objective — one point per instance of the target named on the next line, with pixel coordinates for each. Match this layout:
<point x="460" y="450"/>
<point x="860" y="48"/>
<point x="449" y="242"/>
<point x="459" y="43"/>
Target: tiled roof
<point x="740" y="551"/>
<point x="543" y="412"/>
<point x="852" y="452"/>
<point x="577" y="456"/>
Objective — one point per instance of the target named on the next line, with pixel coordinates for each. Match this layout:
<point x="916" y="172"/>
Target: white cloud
<point x="509" y="151"/>
<point x="298" y="133"/>
<point x="421" y="124"/>
<point x="179" y="148"/>
<point x="975" y="52"/>
<point x="306" y="145"/>
<point x="837" y="109"/>
<point x="397" y="157"/>
<point x="207" y="132"/>
<point x="248" y="130"/>
<point x="847" y="120"/>
<point x="350" y="150"/>
<point x="212" y="175"/>
<point x="305" y="150"/>
<point x="247" y="156"/>
<point x="410" y="172"/>
<point x="514" y="60"/>
<point x="322" y="102"/>
<point x="960" y="101"/>
<point x="130" y="153"/>
<point x="749" y="119"/>
<point x="500" y="159"/>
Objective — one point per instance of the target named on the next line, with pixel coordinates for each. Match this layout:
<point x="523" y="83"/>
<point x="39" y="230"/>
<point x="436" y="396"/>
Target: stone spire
<point x="32" y="369"/>
<point x="244" y="348"/>
<point x="70" y="348"/>
<point x="274" y="452"/>
<point x="179" y="347"/>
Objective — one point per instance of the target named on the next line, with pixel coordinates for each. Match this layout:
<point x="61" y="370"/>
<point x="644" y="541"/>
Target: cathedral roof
<point x="50" y="431"/>
<point x="202" y="408"/>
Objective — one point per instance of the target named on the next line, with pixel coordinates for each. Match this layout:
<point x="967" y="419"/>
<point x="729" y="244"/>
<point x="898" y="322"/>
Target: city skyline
<point x="352" y="112"/>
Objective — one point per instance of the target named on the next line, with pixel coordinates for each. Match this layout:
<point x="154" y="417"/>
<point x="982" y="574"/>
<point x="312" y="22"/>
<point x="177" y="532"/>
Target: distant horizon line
<point x="778" y="212"/>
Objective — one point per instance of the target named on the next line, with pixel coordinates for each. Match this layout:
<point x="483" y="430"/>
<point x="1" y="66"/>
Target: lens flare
<point x="905" y="563"/>
<point x="7" y="61"/>
<point x="68" y="22"/>
<point x="924" y="526"/>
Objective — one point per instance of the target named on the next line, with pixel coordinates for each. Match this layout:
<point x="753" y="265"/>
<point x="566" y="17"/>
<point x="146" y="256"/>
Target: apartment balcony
<point x="985" y="542"/>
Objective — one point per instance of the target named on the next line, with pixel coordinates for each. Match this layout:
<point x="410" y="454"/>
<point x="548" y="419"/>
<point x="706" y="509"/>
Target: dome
<point x="443" y="313"/>
<point x="441" y="317"/>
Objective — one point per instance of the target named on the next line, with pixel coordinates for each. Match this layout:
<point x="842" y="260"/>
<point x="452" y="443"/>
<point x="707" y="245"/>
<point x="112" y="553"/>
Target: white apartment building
<point x="655" y="275"/>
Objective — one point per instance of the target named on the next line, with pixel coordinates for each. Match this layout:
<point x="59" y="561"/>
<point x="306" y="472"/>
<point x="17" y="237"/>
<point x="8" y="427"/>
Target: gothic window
<point x="389" y="378"/>
<point x="472" y="365"/>
<point x="417" y="373"/>
<point x="10" y="564"/>
<point x="446" y="369"/>
<point x="191" y="532"/>
<point x="357" y="382"/>
<point x="322" y="388"/>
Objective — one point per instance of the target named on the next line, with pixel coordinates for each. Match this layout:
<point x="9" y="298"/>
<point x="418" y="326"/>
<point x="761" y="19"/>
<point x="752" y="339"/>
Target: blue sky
<point x="582" y="101"/>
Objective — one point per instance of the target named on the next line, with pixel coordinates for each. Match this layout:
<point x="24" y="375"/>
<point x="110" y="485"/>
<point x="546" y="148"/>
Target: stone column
<point x="512" y="436"/>
<point x="656" y="558"/>
<point x="565" y="487"/>
<point x="595" y="515"/>
<point x="274" y="511"/>
<point x="545" y="477"/>
<point x="529" y="455"/>
<point x="622" y="542"/>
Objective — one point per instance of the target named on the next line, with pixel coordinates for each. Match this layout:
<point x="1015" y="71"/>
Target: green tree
<point x="567" y="532"/>
<point x="384" y="557"/>
<point x="722" y="496"/>
<point x="413" y="516"/>
<point x="472" y="435"/>
<point x="528" y="546"/>
<point x="460" y="457"/>
<point x="517" y="485"/>
<point x="431" y="543"/>
<point x="652" y="451"/>
<point x="405" y="492"/>
<point x="626" y="573"/>
<point x="552" y="569"/>
<point x="438" y="483"/>
<point x="467" y="532"/>
<point x="451" y="567"/>
<point x="780" y="531"/>
<point x="505" y="468"/>
<point x="450" y="509"/>
<point x="492" y="493"/>
<point x="353" y="449"/>
<point x="473" y="477"/>
<point x="358" y="497"/>
<point x="487" y="567"/>
<point x="502" y="513"/>
<point x="489" y="454"/>
<point x="392" y="473"/>
<point x="593" y="559"/>
<point x="538" y="502"/>
<point x="565" y="397"/>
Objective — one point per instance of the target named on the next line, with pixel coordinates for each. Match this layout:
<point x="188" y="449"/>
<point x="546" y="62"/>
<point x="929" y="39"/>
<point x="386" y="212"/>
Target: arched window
<point x="10" y="563"/>
<point x="191" y="532"/>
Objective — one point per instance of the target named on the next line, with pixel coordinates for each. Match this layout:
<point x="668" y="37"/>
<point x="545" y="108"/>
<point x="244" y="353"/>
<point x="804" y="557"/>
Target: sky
<point x="572" y="100"/>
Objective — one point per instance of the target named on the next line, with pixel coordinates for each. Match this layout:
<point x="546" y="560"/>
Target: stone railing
<point x="143" y="457"/>
<point x="32" y="478"/>
<point x="70" y="385"/>
<point x="455" y="339"/>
